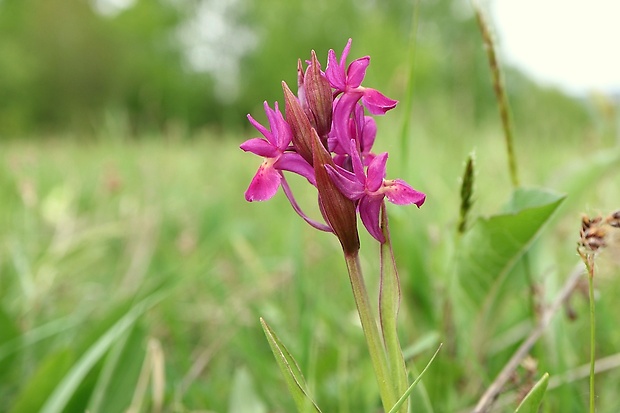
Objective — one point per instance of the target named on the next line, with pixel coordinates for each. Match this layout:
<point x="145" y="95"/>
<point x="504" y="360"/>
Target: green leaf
<point x="291" y="372"/>
<point x="531" y="402"/>
<point x="488" y="252"/>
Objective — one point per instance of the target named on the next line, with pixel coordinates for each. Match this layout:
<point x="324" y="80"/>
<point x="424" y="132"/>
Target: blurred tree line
<point x="67" y="65"/>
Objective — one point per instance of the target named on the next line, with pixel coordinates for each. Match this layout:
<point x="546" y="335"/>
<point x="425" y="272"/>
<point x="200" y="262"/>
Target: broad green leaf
<point x="531" y="402"/>
<point x="489" y="251"/>
<point x="117" y="381"/>
<point x="243" y="397"/>
<point x="291" y="372"/>
<point x="389" y="302"/>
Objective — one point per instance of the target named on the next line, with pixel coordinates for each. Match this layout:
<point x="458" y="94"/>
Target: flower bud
<point x="318" y="94"/>
<point x="299" y="123"/>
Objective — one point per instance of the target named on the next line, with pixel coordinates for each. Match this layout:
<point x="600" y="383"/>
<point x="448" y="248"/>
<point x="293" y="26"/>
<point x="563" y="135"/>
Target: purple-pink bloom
<point x="348" y="82"/>
<point x="361" y="128"/>
<point x="370" y="187"/>
<point x="275" y="149"/>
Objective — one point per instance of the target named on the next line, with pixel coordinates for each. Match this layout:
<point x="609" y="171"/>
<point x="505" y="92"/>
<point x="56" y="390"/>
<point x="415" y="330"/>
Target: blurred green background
<point x="132" y="271"/>
<point x="77" y="66"/>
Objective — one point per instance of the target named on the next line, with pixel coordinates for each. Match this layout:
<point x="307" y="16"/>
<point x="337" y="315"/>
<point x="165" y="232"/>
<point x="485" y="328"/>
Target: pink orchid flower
<point x="370" y="187"/>
<point x="277" y="155"/>
<point x="347" y="81"/>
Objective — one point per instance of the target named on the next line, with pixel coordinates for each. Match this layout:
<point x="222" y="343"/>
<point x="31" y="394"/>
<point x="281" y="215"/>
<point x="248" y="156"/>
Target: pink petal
<point x="370" y="207"/>
<point x="334" y="73"/>
<point x="346" y="182"/>
<point x="368" y="134"/>
<point x="260" y="147"/>
<point x="294" y="162"/>
<point x="376" y="102"/>
<point x="357" y="71"/>
<point x="262" y="129"/>
<point x="400" y="192"/>
<point x="343" y="108"/>
<point x="264" y="185"/>
<point x="376" y="172"/>
<point x="345" y="54"/>
<point x="356" y="161"/>
<point x="284" y="134"/>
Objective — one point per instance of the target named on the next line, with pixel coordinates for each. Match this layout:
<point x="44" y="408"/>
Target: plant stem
<point x="371" y="332"/>
<point x="592" y="333"/>
<point x="500" y="94"/>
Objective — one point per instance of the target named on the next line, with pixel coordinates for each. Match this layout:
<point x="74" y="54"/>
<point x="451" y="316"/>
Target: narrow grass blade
<point x="291" y="372"/>
<point x="410" y="389"/>
<point x="389" y="302"/>
<point x="63" y="392"/>
<point x="119" y="375"/>
<point x="533" y="399"/>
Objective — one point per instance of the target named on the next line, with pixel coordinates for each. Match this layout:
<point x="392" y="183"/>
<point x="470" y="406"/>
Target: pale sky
<point x="574" y="44"/>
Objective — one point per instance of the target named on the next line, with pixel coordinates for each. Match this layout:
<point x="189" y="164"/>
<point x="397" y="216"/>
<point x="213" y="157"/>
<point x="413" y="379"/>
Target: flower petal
<point x="357" y="71"/>
<point x="376" y="102"/>
<point x="262" y="129"/>
<point x="370" y="207"/>
<point x="367" y="135"/>
<point x="295" y="163"/>
<point x="400" y="192"/>
<point x="343" y="107"/>
<point x="345" y="181"/>
<point x="357" y="163"/>
<point x="281" y="129"/>
<point x="265" y="183"/>
<point x="260" y="147"/>
<point x="376" y="172"/>
<point x="345" y="54"/>
<point x="334" y="73"/>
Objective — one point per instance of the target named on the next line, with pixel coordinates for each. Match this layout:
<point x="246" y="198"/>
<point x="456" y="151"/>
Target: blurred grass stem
<point x="371" y="332"/>
<point x="500" y="93"/>
<point x="493" y="391"/>
<point x="588" y="259"/>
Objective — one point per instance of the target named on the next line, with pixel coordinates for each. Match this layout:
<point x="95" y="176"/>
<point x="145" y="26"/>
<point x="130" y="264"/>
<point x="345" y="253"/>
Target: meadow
<point x="134" y="274"/>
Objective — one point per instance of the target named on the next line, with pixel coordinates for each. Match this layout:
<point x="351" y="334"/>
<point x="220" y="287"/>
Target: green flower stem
<point x="389" y="302"/>
<point x="592" y="334"/>
<point x="371" y="331"/>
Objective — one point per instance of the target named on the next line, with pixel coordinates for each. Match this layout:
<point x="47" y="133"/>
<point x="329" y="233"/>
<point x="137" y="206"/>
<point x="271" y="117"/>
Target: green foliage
<point x="67" y="67"/>
<point x="290" y="370"/>
<point x="532" y="401"/>
<point x="89" y="231"/>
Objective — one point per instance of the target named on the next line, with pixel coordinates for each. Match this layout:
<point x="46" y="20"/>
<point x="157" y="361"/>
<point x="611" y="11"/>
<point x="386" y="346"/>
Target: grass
<point x="90" y="230"/>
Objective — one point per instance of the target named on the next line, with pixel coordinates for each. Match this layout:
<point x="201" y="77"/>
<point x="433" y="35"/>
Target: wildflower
<point x="361" y="128"/>
<point x="369" y="188"/>
<point x="275" y="149"/>
<point x="347" y="83"/>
